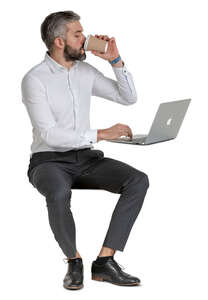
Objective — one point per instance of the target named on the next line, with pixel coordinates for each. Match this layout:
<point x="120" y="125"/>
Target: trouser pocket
<point x="95" y="156"/>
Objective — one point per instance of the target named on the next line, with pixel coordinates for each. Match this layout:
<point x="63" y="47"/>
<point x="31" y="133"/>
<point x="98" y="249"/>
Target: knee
<point x="142" y="179"/>
<point x="145" y="180"/>
<point x="59" y="197"/>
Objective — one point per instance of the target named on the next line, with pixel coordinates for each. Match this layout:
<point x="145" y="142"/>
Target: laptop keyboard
<point x="136" y="138"/>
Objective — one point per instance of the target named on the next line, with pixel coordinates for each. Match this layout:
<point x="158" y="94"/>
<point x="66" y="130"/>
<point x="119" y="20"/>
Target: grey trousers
<point x="89" y="169"/>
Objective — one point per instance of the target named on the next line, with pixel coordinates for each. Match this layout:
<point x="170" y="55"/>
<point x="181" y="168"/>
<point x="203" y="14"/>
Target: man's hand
<point x="112" y="50"/>
<point x="114" y="132"/>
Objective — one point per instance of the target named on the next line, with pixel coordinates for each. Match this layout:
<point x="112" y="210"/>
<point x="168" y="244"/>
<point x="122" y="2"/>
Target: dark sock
<point x="102" y="259"/>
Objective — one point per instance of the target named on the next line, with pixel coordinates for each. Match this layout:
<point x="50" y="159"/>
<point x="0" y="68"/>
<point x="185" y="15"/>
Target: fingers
<point x="125" y="130"/>
<point x="96" y="53"/>
<point x="128" y="132"/>
<point x="102" y="37"/>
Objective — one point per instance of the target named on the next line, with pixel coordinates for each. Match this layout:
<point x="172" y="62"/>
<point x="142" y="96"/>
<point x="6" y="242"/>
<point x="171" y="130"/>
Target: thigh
<point x="107" y="174"/>
<point x="50" y="178"/>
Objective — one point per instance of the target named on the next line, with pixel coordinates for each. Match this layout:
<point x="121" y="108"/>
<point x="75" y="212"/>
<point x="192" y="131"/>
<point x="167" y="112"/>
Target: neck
<point x="59" y="58"/>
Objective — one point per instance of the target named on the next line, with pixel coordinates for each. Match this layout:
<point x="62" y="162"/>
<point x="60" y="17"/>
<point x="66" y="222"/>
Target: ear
<point x="59" y="42"/>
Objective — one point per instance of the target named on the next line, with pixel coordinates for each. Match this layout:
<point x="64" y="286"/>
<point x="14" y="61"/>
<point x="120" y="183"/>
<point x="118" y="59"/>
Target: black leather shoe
<point x="73" y="279"/>
<point x="111" y="272"/>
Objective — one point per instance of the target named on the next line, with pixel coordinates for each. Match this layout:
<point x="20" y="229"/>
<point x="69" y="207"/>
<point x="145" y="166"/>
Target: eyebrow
<point x="78" y="31"/>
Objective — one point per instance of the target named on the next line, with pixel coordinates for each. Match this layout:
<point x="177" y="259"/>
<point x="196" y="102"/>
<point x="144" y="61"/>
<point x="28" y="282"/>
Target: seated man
<point x="57" y="94"/>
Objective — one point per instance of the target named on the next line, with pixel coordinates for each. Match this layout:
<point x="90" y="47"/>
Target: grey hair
<point x="54" y="26"/>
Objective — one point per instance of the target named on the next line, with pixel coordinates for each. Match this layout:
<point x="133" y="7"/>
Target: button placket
<point x="73" y="99"/>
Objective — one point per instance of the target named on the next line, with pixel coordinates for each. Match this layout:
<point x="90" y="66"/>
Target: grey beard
<point x="71" y="54"/>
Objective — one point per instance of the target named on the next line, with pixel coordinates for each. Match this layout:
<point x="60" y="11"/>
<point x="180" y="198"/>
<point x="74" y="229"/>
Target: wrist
<point x="119" y="64"/>
<point x="114" y="59"/>
<point x="100" y="135"/>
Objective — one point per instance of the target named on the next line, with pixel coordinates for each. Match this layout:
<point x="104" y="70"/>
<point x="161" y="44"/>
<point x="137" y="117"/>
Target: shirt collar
<point x="54" y="66"/>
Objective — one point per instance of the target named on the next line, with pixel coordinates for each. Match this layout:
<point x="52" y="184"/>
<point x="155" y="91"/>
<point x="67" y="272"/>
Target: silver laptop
<point x="165" y="126"/>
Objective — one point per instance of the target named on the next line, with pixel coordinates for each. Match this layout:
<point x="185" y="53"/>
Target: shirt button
<point x="90" y="142"/>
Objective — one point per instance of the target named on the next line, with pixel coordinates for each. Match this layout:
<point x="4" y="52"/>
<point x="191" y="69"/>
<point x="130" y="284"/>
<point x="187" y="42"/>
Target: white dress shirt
<point x="58" y="102"/>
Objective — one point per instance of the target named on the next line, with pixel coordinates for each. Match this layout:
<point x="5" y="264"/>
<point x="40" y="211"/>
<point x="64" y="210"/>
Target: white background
<point x="164" y="46"/>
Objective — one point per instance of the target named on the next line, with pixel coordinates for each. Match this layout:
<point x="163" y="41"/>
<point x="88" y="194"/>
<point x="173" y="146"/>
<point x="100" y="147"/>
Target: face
<point x="73" y="49"/>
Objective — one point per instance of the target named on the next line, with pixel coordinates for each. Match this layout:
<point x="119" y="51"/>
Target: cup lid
<point x="86" y="42"/>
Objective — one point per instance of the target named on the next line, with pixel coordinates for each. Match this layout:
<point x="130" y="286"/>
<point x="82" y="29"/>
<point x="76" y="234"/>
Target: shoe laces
<point x="66" y="260"/>
<point x="122" y="268"/>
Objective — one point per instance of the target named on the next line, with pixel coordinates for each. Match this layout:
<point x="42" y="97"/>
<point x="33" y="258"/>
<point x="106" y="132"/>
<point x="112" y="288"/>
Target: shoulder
<point x="84" y="66"/>
<point x="31" y="81"/>
<point x="35" y="73"/>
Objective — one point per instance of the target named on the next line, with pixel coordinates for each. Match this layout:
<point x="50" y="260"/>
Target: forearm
<point x="125" y="84"/>
<point x="64" y="137"/>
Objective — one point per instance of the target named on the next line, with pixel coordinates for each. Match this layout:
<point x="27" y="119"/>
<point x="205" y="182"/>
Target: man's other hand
<point x="114" y="132"/>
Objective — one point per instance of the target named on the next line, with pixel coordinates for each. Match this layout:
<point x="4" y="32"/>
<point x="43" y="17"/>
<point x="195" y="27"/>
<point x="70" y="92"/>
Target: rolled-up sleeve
<point x="34" y="97"/>
<point x="121" y="90"/>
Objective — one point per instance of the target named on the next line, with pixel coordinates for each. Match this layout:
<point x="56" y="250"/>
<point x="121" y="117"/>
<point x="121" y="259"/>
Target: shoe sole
<point x="97" y="278"/>
<point x="74" y="287"/>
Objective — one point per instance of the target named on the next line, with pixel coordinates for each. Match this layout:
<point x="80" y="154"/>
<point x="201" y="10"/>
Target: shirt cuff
<point x="90" y="136"/>
<point x="120" y="70"/>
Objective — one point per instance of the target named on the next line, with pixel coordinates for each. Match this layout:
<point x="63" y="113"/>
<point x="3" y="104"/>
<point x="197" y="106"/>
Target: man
<point x="57" y="95"/>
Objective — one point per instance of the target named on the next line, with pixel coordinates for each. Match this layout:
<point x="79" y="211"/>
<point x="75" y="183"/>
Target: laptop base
<point x="137" y="140"/>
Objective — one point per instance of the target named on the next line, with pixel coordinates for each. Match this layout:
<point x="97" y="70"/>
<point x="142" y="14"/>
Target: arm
<point x="123" y="90"/>
<point x="35" y="99"/>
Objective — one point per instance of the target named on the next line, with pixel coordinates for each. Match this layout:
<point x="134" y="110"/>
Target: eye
<point x="77" y="36"/>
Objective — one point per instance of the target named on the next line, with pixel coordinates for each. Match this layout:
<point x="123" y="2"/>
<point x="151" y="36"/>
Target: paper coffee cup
<point x="93" y="43"/>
